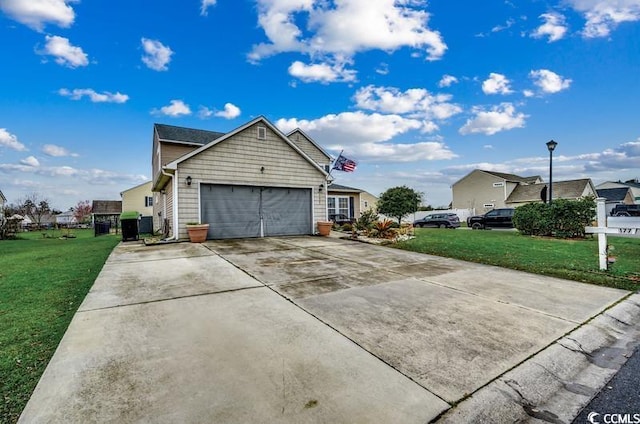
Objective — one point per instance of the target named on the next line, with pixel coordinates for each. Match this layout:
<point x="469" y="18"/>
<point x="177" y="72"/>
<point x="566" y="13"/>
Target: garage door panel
<point x="286" y="211"/>
<point x="231" y="211"/>
<point x="234" y="211"/>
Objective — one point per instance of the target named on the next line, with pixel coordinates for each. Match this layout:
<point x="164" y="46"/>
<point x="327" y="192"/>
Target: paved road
<point x="620" y="396"/>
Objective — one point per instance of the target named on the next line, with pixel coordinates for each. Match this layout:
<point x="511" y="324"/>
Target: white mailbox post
<point x="620" y="226"/>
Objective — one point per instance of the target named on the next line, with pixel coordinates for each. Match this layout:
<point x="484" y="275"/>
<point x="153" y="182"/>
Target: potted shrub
<point x="197" y="232"/>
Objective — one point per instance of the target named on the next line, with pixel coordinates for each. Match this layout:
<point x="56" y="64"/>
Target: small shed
<point x="106" y="211"/>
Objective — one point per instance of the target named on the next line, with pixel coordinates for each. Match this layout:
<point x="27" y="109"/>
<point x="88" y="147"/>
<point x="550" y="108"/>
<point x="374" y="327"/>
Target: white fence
<point x="463" y="214"/>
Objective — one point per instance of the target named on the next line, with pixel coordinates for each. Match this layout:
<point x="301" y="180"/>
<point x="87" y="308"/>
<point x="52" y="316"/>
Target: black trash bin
<point x="129" y="224"/>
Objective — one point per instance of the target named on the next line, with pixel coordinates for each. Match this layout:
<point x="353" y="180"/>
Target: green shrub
<point x="367" y="220"/>
<point x="347" y="227"/>
<point x="563" y="218"/>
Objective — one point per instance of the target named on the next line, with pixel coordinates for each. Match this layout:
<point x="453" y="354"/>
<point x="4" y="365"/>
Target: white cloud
<point x="95" y="97"/>
<point x="321" y="72"/>
<point x="65" y="54"/>
<point x="156" y="55"/>
<point x="554" y="27"/>
<point x="383" y="69"/>
<point x="204" y="112"/>
<point x="499" y="118"/>
<point x="11" y="141"/>
<point x="205" y="5"/>
<point x="417" y="102"/>
<point x="366" y="136"/>
<point x="413" y="152"/>
<point x="528" y="93"/>
<point x="56" y="151"/>
<point x="602" y="16"/>
<point x="230" y="111"/>
<point x="447" y="80"/>
<point x="496" y="84"/>
<point x="349" y="128"/>
<point x="175" y="109"/>
<point x="548" y="81"/>
<point x="30" y="161"/>
<point x="37" y="13"/>
<point x="381" y="24"/>
<point x="508" y="24"/>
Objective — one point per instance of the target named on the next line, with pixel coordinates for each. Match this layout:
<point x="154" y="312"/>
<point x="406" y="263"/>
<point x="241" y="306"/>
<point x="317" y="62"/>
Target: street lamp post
<point x="551" y="145"/>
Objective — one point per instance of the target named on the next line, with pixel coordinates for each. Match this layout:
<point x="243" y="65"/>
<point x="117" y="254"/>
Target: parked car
<point x="495" y="218"/>
<point x="438" y="220"/>
<point x="626" y="210"/>
<point x="340" y="219"/>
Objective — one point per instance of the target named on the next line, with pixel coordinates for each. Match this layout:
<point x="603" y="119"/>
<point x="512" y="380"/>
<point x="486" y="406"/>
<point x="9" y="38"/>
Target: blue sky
<point x="418" y="93"/>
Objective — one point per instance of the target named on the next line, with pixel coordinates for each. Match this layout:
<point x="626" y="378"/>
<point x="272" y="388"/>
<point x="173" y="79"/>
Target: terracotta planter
<point x="197" y="232"/>
<point x="324" y="228"/>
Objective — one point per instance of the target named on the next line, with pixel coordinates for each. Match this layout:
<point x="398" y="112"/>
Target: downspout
<point x="174" y="202"/>
<point x="176" y="233"/>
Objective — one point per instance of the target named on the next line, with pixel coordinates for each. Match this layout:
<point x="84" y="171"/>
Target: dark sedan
<point x="438" y="220"/>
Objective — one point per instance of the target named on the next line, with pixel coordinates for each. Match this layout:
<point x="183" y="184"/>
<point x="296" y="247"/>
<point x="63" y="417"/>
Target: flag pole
<point x="334" y="162"/>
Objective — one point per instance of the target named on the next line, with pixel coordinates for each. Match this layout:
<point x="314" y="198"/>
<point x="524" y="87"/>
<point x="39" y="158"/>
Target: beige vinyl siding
<point x="476" y="190"/>
<point x="168" y="152"/>
<point x="309" y="148"/>
<point x="134" y="199"/>
<point x="238" y="160"/>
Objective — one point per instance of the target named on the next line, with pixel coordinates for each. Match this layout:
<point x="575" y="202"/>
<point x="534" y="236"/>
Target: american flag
<point x="344" y="164"/>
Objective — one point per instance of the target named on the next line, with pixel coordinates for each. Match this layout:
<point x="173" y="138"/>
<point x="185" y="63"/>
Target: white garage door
<point x="234" y="211"/>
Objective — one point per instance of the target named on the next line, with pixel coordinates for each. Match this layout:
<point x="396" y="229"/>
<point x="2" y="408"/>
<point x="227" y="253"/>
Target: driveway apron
<point x="297" y="329"/>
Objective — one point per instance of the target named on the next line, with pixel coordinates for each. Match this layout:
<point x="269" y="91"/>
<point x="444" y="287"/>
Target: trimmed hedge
<point x="564" y="218"/>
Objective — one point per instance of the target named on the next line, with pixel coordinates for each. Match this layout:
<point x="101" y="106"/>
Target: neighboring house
<point x="139" y="199"/>
<point x="106" y="211"/>
<point x="569" y="190"/>
<point x="634" y="185"/>
<point x="349" y="201"/>
<point x="482" y="191"/>
<point x="254" y="181"/>
<point x="66" y="219"/>
<point x="3" y="201"/>
<point x="616" y="196"/>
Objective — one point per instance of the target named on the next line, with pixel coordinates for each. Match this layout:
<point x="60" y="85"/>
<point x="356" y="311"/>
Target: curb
<point x="558" y="382"/>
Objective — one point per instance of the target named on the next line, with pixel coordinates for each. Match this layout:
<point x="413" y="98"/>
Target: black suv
<point x="495" y="218"/>
<point x="626" y="210"/>
<point x="438" y="220"/>
<point x="340" y="219"/>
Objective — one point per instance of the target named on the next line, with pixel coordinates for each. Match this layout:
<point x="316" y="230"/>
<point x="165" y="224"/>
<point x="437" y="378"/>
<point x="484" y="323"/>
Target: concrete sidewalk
<point x="321" y="330"/>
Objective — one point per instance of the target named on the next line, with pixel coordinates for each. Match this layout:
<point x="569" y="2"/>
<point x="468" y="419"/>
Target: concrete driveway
<point x="307" y="329"/>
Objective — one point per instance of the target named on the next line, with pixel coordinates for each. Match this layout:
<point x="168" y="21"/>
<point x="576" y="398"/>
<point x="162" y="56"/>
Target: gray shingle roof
<point x="106" y="207"/>
<point x="338" y="187"/>
<point x="185" y="135"/>
<point x="513" y="177"/>
<point x="572" y="189"/>
<point x="613" y="194"/>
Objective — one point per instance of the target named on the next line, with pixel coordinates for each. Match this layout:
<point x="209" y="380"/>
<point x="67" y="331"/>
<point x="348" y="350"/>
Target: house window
<point x="148" y="201"/>
<point x="262" y="133"/>
<point x="498" y="185"/>
<point x="488" y="205"/>
<point x="338" y="205"/>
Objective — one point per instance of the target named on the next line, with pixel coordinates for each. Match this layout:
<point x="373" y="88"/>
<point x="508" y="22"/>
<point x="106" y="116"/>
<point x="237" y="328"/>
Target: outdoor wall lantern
<point x="189" y="179"/>
<point x="320" y="188"/>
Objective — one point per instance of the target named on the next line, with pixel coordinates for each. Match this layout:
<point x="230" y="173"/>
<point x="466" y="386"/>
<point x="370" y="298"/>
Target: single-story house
<point x="633" y="185"/>
<point x="570" y="190"/>
<point x="66" y="219"/>
<point x="253" y="181"/>
<point x="139" y="199"/>
<point x="616" y="196"/>
<point x="482" y="190"/>
<point x="349" y="201"/>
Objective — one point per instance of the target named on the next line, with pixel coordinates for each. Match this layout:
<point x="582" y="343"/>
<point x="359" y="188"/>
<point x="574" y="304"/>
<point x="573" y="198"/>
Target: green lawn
<point x="42" y="283"/>
<point x="570" y="259"/>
